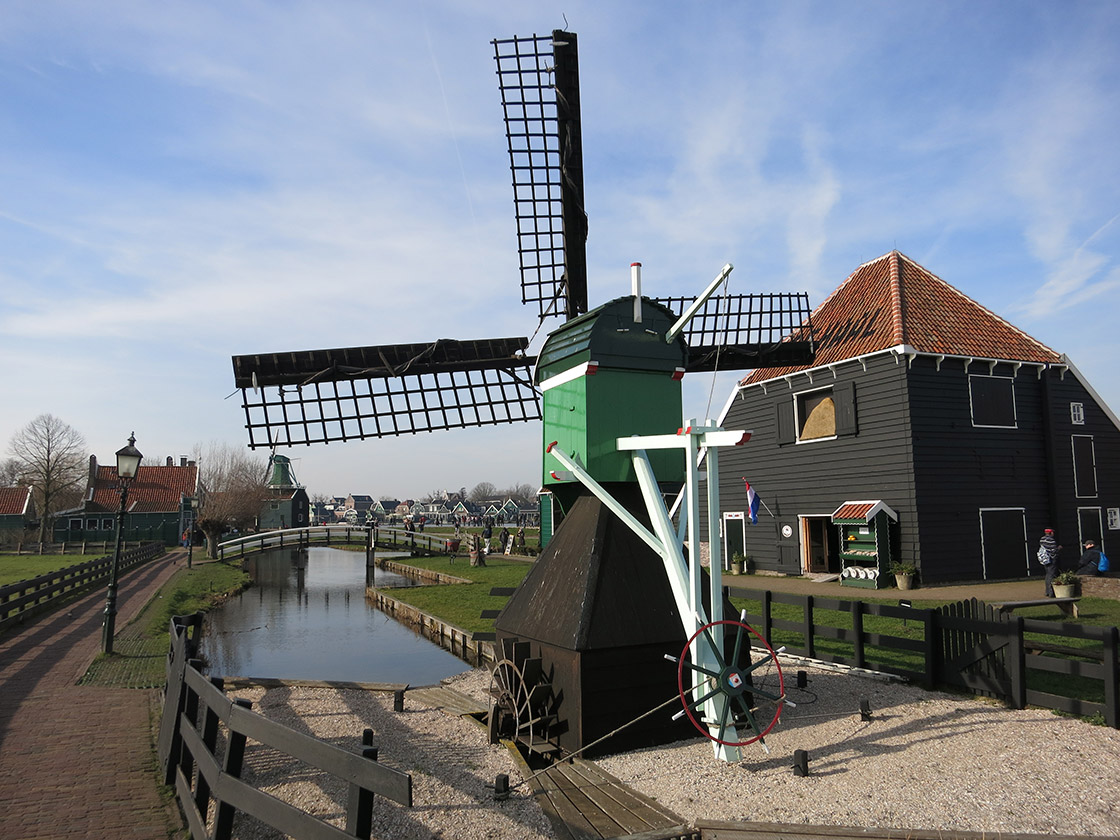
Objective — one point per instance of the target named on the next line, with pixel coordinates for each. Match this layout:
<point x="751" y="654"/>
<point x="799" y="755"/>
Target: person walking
<point x="1048" y="551"/>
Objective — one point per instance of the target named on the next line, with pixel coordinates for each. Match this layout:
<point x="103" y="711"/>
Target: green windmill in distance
<point x="582" y="644"/>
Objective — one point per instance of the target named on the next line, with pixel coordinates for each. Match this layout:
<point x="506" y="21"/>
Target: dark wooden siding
<point x="1106" y="448"/>
<point x="961" y="469"/>
<point x="816" y="478"/>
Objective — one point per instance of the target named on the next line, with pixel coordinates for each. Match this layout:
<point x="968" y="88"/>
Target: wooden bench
<point x="1067" y="605"/>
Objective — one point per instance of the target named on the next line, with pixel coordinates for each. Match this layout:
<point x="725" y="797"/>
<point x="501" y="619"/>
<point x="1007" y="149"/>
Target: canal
<point x="306" y="617"/>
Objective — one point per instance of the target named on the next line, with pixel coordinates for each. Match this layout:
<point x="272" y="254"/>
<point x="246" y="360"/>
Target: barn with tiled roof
<point x="973" y="435"/>
<point x="17" y="508"/>
<point x="156" y="508"/>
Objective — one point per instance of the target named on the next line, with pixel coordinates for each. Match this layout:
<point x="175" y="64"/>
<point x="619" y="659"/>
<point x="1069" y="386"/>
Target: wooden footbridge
<point x="390" y="539"/>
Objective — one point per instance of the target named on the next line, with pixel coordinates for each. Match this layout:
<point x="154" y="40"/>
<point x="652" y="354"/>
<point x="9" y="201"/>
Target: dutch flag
<point x="753" y="501"/>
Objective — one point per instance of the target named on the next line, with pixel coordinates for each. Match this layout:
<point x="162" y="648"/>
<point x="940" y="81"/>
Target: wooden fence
<point x="72" y="547"/>
<point x="969" y="645"/>
<point x="20" y="600"/>
<point x="201" y="747"/>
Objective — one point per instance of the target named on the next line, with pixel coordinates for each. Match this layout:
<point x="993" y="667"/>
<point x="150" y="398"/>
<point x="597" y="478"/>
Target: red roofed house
<point x="17" y="508"/>
<point x="158" y="505"/>
<point x="928" y="430"/>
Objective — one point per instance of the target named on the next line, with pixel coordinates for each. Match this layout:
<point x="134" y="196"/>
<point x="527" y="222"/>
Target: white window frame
<point x="1077" y="413"/>
<point x="1014" y="406"/>
<point x="1073" y="456"/>
<point x="798" y="399"/>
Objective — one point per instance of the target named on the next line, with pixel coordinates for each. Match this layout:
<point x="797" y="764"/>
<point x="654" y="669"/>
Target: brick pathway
<point x="77" y="761"/>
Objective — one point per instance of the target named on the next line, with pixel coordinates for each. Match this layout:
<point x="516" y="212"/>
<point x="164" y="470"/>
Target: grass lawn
<point x="461" y="604"/>
<point x="140" y="649"/>
<point x="17" y="567"/>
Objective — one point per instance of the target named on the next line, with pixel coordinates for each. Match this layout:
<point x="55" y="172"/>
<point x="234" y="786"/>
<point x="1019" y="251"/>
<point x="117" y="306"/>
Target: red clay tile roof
<point x="14" y="500"/>
<point x="893" y="301"/>
<point x="864" y="511"/>
<point x="155" y="490"/>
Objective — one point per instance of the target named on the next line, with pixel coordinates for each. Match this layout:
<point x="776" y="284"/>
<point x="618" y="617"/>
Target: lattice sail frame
<point x="538" y="78"/>
<point x="737" y="332"/>
<point x="321" y="396"/>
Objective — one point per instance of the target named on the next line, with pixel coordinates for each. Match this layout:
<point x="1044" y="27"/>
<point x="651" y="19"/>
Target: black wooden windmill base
<point x="595" y="618"/>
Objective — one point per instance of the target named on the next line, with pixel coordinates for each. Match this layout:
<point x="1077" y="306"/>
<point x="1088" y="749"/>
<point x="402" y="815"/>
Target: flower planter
<point x="1064" y="590"/>
<point x="904" y="581"/>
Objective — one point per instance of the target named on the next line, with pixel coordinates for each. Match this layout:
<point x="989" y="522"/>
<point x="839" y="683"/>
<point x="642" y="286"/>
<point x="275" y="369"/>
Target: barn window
<point x="1077" y="413"/>
<point x="75" y="524"/>
<point x="816" y="415"/>
<point x="820" y="414"/>
<point x="993" y="401"/>
<point x="106" y="524"/>
<point x="91" y="525"/>
<point x="1084" y="467"/>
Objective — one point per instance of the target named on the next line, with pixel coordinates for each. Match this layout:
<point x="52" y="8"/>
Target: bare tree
<point x="52" y="459"/>
<point x="523" y="494"/>
<point x="9" y="472"/>
<point x="484" y="491"/>
<point x="232" y="487"/>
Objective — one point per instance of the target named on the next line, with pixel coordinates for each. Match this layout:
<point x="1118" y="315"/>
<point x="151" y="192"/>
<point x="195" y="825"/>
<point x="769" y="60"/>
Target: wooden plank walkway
<point x="584" y="802"/>
<point x="447" y="699"/>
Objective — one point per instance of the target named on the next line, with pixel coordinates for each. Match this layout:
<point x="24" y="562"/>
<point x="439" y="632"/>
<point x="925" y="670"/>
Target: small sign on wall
<point x="1114" y="519"/>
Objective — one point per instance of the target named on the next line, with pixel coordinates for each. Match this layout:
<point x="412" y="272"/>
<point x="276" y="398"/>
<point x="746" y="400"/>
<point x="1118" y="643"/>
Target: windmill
<point x="587" y="632"/>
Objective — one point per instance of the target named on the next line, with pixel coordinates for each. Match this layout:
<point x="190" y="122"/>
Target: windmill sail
<point x="320" y="396"/>
<point x="738" y="332"/>
<point x="538" y="78"/>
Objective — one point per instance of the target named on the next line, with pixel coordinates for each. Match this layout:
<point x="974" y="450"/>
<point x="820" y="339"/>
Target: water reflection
<point x="306" y="617"/>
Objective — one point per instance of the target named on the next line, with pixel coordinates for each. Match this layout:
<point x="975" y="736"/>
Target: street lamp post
<point x="128" y="465"/>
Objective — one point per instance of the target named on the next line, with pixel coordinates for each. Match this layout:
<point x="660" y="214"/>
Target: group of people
<point x="1092" y="562"/>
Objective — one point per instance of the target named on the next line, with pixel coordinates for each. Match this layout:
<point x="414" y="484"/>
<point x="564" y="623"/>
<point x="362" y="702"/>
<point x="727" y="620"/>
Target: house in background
<point x="17" y="509"/>
<point x="928" y="430"/>
<point x="157" y="508"/>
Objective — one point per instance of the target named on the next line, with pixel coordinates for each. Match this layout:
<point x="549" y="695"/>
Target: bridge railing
<point x="293" y="538"/>
<point x="397" y="539"/>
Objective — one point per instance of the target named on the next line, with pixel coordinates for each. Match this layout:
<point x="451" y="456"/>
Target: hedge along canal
<point x="306" y="616"/>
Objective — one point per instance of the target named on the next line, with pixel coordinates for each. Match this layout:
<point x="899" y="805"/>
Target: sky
<point x="182" y="182"/>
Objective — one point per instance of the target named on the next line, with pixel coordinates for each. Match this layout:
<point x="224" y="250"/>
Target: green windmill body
<point x="608" y="374"/>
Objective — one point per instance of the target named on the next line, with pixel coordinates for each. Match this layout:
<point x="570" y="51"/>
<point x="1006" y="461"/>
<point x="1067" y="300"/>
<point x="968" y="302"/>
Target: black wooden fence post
<point x="857" y="634"/>
<point x="359" y="807"/>
<point x="235" y="758"/>
<point x="1112" y="677"/>
<point x="210" y="739"/>
<point x="1017" y="664"/>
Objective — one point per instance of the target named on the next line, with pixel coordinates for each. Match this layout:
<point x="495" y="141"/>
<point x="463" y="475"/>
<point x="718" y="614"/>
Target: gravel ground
<point x="924" y="761"/>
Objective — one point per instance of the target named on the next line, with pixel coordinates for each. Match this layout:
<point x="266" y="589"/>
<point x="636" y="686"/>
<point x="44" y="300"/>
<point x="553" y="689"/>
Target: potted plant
<point x="904" y="574"/>
<point x="737" y="563"/>
<point x="1065" y="583"/>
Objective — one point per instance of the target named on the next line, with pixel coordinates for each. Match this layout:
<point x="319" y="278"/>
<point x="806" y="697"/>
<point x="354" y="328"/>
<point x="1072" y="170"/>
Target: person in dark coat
<point x="1090" y="559"/>
<point x="1052" y="549"/>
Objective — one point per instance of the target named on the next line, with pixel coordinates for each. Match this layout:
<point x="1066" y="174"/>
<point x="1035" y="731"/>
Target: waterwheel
<point x="747" y="680"/>
<point x="522" y="702"/>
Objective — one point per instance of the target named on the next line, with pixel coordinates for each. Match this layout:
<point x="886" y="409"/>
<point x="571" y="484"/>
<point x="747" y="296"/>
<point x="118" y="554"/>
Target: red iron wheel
<point x="750" y="680"/>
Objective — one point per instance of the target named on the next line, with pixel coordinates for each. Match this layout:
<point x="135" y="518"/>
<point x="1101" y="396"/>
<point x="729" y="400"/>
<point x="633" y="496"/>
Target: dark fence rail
<point x="20" y="600"/>
<point x="970" y="646"/>
<point x="201" y="749"/>
<point x="74" y="547"/>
